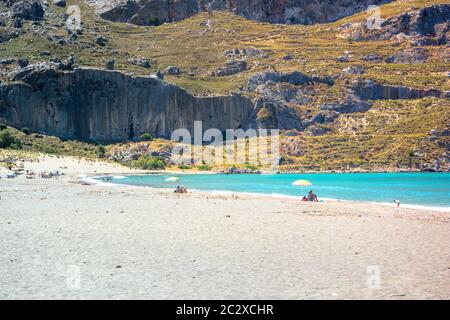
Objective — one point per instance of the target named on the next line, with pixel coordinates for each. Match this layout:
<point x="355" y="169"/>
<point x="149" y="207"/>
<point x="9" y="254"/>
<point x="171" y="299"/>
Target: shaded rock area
<point x="370" y="90"/>
<point x="427" y="26"/>
<point x="295" y="78"/>
<point x="150" y="12"/>
<point x="26" y="9"/>
<point x="231" y="67"/>
<point x="415" y="55"/>
<point x="91" y="104"/>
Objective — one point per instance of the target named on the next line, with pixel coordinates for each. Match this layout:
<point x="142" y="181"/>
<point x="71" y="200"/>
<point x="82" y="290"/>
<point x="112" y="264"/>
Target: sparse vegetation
<point x="7" y="140"/>
<point x="101" y="151"/>
<point x="146" y="137"/>
<point x="146" y="162"/>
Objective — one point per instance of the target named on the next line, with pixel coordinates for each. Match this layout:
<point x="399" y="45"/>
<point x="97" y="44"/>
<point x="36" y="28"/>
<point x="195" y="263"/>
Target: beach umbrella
<point x="302" y="183"/>
<point x="172" y="179"/>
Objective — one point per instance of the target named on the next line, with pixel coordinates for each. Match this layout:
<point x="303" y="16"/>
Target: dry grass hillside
<point x="401" y="134"/>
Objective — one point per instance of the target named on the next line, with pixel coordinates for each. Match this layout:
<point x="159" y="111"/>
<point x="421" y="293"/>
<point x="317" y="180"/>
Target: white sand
<point x="61" y="239"/>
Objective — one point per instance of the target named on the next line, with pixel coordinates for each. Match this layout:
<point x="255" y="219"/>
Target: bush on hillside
<point x="101" y="151"/>
<point x="26" y="131"/>
<point x="146" y="137"/>
<point x="7" y="140"/>
<point x="149" y="163"/>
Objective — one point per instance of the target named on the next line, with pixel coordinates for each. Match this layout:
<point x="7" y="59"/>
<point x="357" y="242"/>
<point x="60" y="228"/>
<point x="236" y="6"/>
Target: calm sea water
<point x="423" y="189"/>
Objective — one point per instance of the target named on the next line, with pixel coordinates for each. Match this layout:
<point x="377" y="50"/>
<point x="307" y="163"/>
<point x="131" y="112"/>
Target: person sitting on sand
<point x="180" y="190"/>
<point x="312" y="197"/>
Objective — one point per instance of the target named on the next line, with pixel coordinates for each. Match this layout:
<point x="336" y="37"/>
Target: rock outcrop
<point x="370" y="90"/>
<point x="147" y="12"/>
<point x="231" y="67"/>
<point x="427" y="26"/>
<point x="413" y="56"/>
<point x="91" y="104"/>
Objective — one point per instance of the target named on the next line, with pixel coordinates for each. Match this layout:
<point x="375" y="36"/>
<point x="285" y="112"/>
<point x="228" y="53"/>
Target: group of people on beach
<point x="312" y="197"/>
<point x="180" y="189"/>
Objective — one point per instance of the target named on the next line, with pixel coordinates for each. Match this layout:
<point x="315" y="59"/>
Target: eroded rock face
<point x="427" y="26"/>
<point x="110" y="106"/>
<point x="144" y="12"/>
<point x="370" y="90"/>
<point x="106" y="106"/>
<point x="26" y="9"/>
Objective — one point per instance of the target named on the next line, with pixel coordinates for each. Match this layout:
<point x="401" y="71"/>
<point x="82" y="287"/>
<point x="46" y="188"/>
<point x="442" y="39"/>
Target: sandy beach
<point x="61" y="239"/>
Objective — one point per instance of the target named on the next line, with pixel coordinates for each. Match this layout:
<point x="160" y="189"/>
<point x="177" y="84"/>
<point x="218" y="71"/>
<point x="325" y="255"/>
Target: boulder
<point x="141" y="62"/>
<point x="232" y="67"/>
<point x="171" y="70"/>
<point x="356" y="69"/>
<point x="159" y="75"/>
<point x="23" y="62"/>
<point x="60" y="3"/>
<point x="101" y="41"/>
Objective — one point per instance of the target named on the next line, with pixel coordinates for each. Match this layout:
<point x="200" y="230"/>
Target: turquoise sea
<point x="420" y="189"/>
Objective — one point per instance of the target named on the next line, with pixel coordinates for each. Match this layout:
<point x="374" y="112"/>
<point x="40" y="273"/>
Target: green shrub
<point x="26" y="131"/>
<point x="7" y="140"/>
<point x="149" y="163"/>
<point x="154" y="21"/>
<point x="101" y="151"/>
<point x="204" y="168"/>
<point x="184" y="167"/>
<point x="146" y="137"/>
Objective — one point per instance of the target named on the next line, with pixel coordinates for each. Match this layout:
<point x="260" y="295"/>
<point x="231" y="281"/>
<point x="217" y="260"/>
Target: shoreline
<point x="94" y="180"/>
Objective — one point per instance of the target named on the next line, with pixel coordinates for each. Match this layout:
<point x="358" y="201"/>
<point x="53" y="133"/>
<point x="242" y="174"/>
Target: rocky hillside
<point x="346" y="96"/>
<point x="150" y="12"/>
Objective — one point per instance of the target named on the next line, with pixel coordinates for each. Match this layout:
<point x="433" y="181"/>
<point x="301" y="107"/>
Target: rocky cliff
<point x="110" y="106"/>
<point x="146" y="12"/>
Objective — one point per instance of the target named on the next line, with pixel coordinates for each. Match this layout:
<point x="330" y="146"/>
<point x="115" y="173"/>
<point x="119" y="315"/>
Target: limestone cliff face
<point x="143" y="12"/>
<point x="110" y="106"/>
